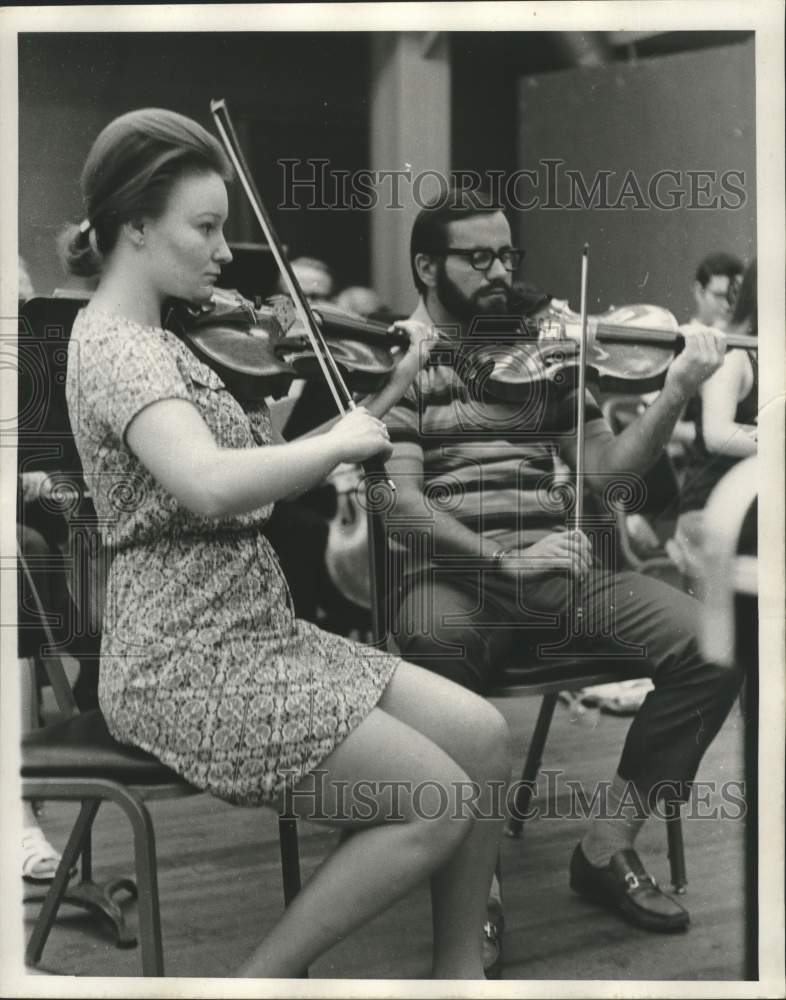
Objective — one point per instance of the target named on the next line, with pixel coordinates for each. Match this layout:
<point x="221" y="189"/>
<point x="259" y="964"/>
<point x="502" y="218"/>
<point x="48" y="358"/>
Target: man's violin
<point x="629" y="349"/>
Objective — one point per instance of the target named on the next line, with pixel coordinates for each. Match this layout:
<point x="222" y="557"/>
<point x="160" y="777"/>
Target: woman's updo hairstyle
<point x="129" y="173"/>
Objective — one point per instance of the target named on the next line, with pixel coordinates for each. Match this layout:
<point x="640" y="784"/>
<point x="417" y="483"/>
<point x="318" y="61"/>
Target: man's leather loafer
<point x="493" y="930"/>
<point x="625" y="886"/>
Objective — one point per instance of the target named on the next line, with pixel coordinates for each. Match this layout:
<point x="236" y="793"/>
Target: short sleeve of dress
<point x="125" y="367"/>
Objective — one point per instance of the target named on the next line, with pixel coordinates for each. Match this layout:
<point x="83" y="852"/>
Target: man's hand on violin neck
<point x="701" y="357"/>
<point x="421" y="339"/>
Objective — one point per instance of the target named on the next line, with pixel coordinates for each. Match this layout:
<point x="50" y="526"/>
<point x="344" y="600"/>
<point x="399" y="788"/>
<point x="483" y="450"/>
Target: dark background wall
<point x="295" y="95"/>
<point x="685" y="112"/>
<point x="673" y="100"/>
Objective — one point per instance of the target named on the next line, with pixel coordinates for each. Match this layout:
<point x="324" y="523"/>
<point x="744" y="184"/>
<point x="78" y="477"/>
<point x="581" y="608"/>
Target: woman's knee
<point x="482" y="744"/>
<point x="439" y="821"/>
<point x="495" y="742"/>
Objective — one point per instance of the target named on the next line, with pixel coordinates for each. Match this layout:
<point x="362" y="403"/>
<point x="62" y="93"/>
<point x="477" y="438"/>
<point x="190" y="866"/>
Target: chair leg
<point x="534" y="759"/>
<point x="679" y="878"/>
<point x="290" y="863"/>
<point x="48" y="914"/>
<point x="97" y="898"/>
<point x="147" y="885"/>
<point x="290" y="857"/>
<point x="90" y="792"/>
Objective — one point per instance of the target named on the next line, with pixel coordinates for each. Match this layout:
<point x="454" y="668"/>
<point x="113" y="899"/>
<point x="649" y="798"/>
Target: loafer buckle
<point x="631" y="881"/>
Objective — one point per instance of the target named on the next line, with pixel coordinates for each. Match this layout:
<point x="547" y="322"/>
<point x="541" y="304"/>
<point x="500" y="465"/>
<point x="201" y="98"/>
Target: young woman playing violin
<point x="203" y="661"/>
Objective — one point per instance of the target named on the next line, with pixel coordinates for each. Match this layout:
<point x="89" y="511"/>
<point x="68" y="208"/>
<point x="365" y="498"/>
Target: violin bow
<point x="335" y="380"/>
<point x="582" y="385"/>
<point x="581" y="407"/>
<point x="333" y="377"/>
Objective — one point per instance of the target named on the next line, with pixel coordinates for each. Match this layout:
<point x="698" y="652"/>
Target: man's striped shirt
<point x="492" y="465"/>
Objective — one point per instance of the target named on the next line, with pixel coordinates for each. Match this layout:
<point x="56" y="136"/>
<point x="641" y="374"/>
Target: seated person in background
<point x="724" y="414"/>
<point x="716" y="279"/>
<point x="314" y="277"/>
<point x="366" y="302"/>
<point x="359" y="300"/>
<point x="715" y="276"/>
<point x="472" y="474"/>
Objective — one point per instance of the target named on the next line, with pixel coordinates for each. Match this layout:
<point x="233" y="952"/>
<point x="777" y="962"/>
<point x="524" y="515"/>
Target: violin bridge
<point x="284" y="311"/>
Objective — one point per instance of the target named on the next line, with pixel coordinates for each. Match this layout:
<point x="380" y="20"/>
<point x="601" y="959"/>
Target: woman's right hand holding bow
<point x="358" y="435"/>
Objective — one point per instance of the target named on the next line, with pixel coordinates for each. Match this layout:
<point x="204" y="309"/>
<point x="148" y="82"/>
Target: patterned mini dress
<point x="203" y="662"/>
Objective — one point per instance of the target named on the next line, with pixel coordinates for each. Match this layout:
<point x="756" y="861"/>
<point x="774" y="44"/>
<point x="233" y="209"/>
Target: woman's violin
<point x="259" y="348"/>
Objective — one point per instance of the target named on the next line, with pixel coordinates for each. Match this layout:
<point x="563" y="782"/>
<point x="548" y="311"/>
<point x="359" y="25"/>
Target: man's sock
<point x="618" y="827"/>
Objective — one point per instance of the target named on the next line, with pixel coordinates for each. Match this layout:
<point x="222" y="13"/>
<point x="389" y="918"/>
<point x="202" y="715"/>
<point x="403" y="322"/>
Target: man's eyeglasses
<point x="481" y="258"/>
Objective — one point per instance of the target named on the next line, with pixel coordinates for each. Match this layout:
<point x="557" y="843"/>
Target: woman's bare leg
<point x="383" y="859"/>
<point x="476" y="736"/>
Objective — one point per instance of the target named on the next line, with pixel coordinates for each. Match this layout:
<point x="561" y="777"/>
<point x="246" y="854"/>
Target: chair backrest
<point x="45" y="441"/>
<point x="52" y="662"/>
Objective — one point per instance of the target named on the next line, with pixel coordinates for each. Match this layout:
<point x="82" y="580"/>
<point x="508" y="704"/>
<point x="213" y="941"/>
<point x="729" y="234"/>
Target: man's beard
<point x="493" y="300"/>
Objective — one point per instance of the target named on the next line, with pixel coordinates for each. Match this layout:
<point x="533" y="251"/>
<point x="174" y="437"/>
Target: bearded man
<point x="488" y="567"/>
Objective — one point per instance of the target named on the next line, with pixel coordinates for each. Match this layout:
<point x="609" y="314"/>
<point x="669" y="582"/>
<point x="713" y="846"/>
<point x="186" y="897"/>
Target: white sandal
<point x="39" y="858"/>
<point x="619" y="697"/>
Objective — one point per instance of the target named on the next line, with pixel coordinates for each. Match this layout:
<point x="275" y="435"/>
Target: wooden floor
<point x="220" y="885"/>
